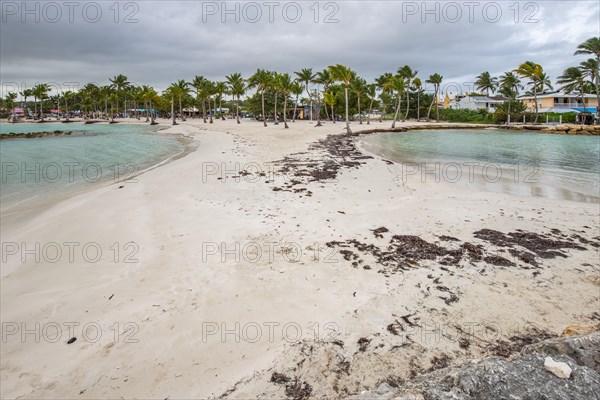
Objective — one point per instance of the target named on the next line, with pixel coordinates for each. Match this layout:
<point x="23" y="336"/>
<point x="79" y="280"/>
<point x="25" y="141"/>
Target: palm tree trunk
<point x="383" y="109"/>
<point x="397" y="110"/>
<point x="42" y="108"/>
<point x="311" y="102"/>
<point x="369" y="114"/>
<point x="430" y="107"/>
<point x="173" y="109"/>
<point x="210" y="112"/>
<point x="276" y="119"/>
<point x="326" y="112"/>
<point x="34" y="107"/>
<point x="597" y="90"/>
<point x="418" y="105"/>
<point x="285" y="124"/>
<point x="583" y="97"/>
<point x="348" y="131"/>
<point x="262" y="95"/>
<point x="359" y="113"/>
<point x="508" y="116"/>
<point x="295" y="109"/>
<point x="437" y="109"/>
<point x="332" y="114"/>
<point x="407" y="105"/>
<point x="181" y="109"/>
<point x="319" y="113"/>
<point x="536" y="103"/>
<point x="237" y="109"/>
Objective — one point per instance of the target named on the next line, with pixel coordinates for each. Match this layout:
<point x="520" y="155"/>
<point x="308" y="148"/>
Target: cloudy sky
<point x="158" y="42"/>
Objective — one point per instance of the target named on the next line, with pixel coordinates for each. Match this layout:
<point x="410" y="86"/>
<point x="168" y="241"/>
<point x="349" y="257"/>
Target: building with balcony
<point x="560" y="102"/>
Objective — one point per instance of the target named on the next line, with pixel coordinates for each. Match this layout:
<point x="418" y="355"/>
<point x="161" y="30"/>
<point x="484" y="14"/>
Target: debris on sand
<point x="378" y="232"/>
<point x="297" y="390"/>
<point x="279" y="378"/>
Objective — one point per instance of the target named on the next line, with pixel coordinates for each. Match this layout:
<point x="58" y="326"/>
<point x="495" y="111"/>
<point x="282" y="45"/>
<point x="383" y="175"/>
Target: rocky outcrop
<point x="572" y="129"/>
<point x="31" y="135"/>
<point x="522" y="377"/>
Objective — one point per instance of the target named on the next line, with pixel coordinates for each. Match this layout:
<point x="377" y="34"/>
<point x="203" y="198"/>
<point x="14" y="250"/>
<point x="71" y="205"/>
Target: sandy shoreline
<point x="209" y="280"/>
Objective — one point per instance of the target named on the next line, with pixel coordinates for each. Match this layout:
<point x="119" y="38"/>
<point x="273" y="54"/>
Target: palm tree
<point x="592" y="46"/>
<point x="261" y="80"/>
<point x="9" y="102"/>
<point x="211" y="90"/>
<point x="330" y="101"/>
<point x="181" y="89"/>
<point x="408" y="75"/>
<point x="341" y="73"/>
<point x="104" y="92"/>
<point x="436" y="80"/>
<point x="297" y="91"/>
<point x="544" y="83"/>
<point x="68" y="95"/>
<point x="220" y="90"/>
<point x="276" y="86"/>
<point x="26" y="93"/>
<point x="509" y="87"/>
<point x="534" y="72"/>
<point x="306" y="76"/>
<point x="285" y="85"/>
<point x="237" y="88"/>
<point x="417" y="86"/>
<point x="358" y="87"/>
<point x="41" y="92"/>
<point x="171" y="92"/>
<point x="396" y="84"/>
<point x="323" y="78"/>
<point x="200" y="86"/>
<point x="573" y="81"/>
<point x="590" y="69"/>
<point x="485" y="81"/>
<point x="113" y="98"/>
<point x="381" y="83"/>
<point x="119" y="83"/>
<point x="145" y="91"/>
<point x="371" y="94"/>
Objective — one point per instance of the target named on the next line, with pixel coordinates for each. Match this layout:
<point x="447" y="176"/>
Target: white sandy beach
<point x="195" y="321"/>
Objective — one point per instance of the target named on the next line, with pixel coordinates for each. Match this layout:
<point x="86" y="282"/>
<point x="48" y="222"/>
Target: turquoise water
<point x="516" y="162"/>
<point x="37" y="170"/>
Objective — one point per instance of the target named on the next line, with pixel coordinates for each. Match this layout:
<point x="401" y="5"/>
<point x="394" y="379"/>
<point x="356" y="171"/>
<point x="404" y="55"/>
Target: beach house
<point x="560" y="102"/>
<point x="476" y="102"/>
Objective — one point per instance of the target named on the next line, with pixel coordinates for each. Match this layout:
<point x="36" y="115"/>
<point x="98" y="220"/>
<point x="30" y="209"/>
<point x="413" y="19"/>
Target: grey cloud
<point x="171" y="41"/>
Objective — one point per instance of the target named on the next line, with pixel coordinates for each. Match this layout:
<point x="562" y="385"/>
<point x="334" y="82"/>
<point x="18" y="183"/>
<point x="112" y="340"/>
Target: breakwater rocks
<point x="572" y="129"/>
<point x="523" y="376"/>
<point x="30" y="135"/>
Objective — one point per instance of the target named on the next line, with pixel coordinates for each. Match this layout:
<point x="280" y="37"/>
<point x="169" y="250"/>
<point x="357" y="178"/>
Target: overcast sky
<point x="158" y="42"/>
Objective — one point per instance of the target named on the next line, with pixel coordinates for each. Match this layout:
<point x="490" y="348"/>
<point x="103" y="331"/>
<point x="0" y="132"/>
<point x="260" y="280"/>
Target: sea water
<point x="524" y="163"/>
<point x="35" y="171"/>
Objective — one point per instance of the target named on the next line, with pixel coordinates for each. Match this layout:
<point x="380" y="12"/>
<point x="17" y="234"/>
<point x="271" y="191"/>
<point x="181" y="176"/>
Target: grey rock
<point x="523" y="377"/>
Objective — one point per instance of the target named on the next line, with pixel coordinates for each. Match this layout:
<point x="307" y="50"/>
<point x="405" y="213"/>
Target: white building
<point x="476" y="102"/>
